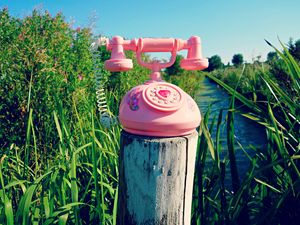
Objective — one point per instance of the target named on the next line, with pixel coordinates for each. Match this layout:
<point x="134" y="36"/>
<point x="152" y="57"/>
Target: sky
<point x="226" y="27"/>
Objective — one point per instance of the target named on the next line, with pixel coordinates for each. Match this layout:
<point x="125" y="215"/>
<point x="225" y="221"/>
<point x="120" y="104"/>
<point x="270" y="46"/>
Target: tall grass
<point x="78" y="185"/>
<point x="65" y="171"/>
<point x="270" y="192"/>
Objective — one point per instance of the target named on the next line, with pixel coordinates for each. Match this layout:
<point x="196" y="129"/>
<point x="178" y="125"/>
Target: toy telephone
<point x="157" y="108"/>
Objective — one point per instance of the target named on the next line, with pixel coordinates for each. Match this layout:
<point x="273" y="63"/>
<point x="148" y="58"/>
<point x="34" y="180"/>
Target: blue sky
<point x="226" y="27"/>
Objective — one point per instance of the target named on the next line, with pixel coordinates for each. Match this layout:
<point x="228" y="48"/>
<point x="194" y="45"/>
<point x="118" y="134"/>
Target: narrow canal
<point x="248" y="134"/>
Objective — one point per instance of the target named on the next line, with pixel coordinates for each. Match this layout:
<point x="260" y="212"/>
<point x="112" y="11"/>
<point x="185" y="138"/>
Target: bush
<point x="279" y="72"/>
<point x="237" y="59"/>
<point x="189" y="81"/>
<point x="214" y="63"/>
<point x="246" y="80"/>
<point x="175" y="69"/>
<point x="43" y="63"/>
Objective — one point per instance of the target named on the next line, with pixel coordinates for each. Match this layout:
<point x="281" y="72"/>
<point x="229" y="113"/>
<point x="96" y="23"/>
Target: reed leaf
<point x="8" y="210"/>
<point x="23" y="215"/>
<point x="230" y="145"/>
<point x="252" y="106"/>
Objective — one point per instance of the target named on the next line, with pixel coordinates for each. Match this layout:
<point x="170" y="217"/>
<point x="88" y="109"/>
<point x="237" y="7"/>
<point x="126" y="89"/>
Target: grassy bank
<point x="270" y="192"/>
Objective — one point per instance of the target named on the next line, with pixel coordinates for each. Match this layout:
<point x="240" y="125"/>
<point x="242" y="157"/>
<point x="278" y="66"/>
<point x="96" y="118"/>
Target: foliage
<point x="294" y="49"/>
<point x="248" y="78"/>
<point x="237" y="59"/>
<point x="270" y="192"/>
<point x="39" y="52"/>
<point x="214" y="63"/>
<point x="175" y="68"/>
<point x="189" y="81"/>
<point x="272" y="56"/>
<point x="77" y="185"/>
<point x="279" y="72"/>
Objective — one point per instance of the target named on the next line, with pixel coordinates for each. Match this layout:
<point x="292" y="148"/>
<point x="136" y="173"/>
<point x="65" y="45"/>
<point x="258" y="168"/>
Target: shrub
<point x="42" y="63"/>
<point x="237" y="59"/>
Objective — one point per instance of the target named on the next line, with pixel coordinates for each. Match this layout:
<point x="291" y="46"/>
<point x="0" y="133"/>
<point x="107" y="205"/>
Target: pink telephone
<point x="157" y="108"/>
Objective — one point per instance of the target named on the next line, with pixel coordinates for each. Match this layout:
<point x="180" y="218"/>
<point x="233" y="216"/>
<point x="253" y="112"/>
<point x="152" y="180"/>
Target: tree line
<point x="215" y="61"/>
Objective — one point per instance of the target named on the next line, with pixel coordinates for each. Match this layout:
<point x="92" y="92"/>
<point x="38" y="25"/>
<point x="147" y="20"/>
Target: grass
<point x="79" y="183"/>
<point x="65" y="171"/>
<point x="269" y="194"/>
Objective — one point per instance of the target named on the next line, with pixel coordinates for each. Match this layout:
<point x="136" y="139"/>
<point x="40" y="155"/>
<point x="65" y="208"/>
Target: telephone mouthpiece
<point x="115" y="65"/>
<point x="194" y="64"/>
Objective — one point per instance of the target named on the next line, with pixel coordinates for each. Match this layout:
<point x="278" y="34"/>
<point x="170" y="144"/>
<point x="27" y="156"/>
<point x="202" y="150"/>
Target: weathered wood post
<point x="156" y="179"/>
<point x="156" y="169"/>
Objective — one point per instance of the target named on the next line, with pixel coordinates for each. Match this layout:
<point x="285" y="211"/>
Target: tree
<point x="215" y="62"/>
<point x="294" y="49"/>
<point x="175" y="68"/>
<point x="272" y="56"/>
<point x="237" y="59"/>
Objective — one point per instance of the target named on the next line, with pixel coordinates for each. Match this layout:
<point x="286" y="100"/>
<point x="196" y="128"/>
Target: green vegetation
<point x="37" y="53"/>
<point x="58" y="165"/>
<point x="237" y="59"/>
<point x="215" y="63"/>
<point x="175" y="68"/>
<point x="270" y="193"/>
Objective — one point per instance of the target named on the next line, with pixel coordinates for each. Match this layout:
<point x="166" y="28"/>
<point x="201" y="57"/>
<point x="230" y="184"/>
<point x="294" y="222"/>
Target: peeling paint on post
<point x="156" y="179"/>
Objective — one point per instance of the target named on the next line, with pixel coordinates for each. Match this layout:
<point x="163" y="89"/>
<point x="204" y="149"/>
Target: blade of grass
<point x="95" y="174"/>
<point x="74" y="188"/>
<point x="290" y="62"/>
<point x="218" y="144"/>
<point x="29" y="91"/>
<point x="36" y="216"/>
<point x="27" y="144"/>
<point x="280" y="142"/>
<point x="115" y="208"/>
<point x="23" y="212"/>
<point x="35" y="147"/>
<point x="230" y="144"/>
<point x="209" y="141"/>
<point x="267" y="185"/>
<point x="224" y="213"/>
<point x="199" y="215"/>
<point x="239" y="96"/>
<point x="58" y="128"/>
<point x="8" y="210"/>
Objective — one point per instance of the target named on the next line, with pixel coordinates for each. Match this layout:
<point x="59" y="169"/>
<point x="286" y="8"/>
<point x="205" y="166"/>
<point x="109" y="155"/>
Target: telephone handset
<point x="157" y="108"/>
<point x="119" y="62"/>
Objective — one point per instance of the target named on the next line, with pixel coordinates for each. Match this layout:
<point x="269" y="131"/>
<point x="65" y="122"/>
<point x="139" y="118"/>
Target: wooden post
<point x="156" y="179"/>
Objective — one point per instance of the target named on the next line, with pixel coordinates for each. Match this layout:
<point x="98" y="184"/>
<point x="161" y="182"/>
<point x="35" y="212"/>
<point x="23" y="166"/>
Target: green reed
<point x="270" y="191"/>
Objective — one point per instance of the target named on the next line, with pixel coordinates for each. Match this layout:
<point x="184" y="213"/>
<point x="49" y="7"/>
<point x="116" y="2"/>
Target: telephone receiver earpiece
<point x="194" y="59"/>
<point x="118" y="61"/>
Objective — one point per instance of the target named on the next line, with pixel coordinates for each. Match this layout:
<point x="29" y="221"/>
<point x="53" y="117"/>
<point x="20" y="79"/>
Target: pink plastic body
<point x="157" y="108"/>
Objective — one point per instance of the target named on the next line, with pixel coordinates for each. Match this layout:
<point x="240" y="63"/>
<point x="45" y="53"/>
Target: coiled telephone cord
<point x="105" y="119"/>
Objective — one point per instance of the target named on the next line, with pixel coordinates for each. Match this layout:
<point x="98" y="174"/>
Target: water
<point x="248" y="133"/>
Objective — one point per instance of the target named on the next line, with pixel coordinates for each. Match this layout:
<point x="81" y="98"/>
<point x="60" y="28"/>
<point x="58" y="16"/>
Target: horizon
<point x="226" y="28"/>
